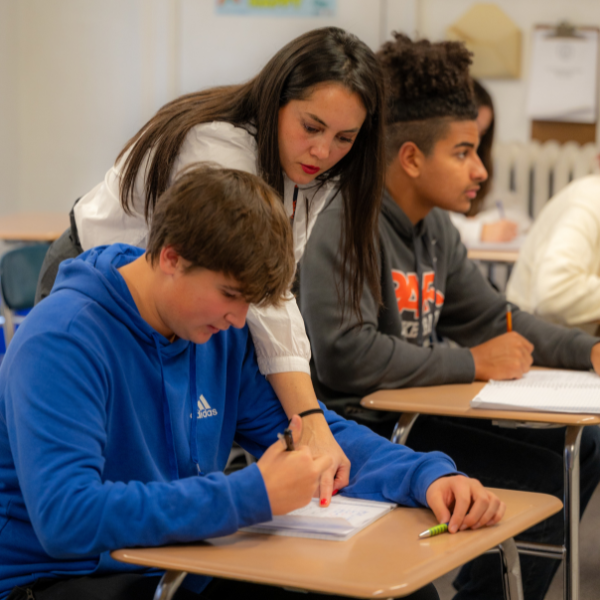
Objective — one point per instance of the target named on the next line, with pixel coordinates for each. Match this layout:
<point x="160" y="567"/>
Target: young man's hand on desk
<point x="507" y="356"/>
<point x="291" y="478"/>
<point x="463" y="503"/>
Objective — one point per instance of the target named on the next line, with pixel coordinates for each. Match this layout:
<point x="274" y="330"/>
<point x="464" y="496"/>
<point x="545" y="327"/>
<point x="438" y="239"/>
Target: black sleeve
<point x="474" y="312"/>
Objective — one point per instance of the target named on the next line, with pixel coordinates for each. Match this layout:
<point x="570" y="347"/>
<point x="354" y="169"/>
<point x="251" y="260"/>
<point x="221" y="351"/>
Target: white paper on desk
<point x="339" y="521"/>
<point x="564" y="76"/>
<point x="548" y="391"/>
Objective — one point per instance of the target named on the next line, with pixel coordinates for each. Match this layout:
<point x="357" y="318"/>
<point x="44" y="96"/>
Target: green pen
<point x="441" y="528"/>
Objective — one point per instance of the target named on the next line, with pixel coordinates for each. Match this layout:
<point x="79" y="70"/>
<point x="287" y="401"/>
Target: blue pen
<point x="500" y="207"/>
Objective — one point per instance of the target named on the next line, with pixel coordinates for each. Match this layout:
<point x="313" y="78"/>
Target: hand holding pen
<point x="289" y="471"/>
<point x="287" y="438"/>
<point x="502" y="230"/>
<point x="508" y="317"/>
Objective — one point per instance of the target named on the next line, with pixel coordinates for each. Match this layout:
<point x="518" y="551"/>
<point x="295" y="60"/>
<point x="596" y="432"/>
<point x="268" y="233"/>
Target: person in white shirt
<point x="310" y="124"/>
<point x="557" y="275"/>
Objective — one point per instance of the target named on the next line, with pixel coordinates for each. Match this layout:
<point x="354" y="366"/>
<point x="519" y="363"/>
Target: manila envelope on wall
<point x="493" y="38"/>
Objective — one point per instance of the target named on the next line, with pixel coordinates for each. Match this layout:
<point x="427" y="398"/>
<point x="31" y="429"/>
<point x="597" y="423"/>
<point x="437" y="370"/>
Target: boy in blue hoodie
<point x="121" y="394"/>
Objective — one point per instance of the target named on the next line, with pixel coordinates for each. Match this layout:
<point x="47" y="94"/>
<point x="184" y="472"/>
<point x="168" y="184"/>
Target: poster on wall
<point x="277" y="8"/>
<point x="564" y="76"/>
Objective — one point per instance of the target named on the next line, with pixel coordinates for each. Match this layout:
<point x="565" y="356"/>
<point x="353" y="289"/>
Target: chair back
<point x="19" y="272"/>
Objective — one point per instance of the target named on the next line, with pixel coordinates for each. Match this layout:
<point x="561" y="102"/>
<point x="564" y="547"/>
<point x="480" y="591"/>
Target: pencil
<point x="508" y="317"/>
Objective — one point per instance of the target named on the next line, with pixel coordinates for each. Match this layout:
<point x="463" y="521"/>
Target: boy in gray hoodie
<point x="438" y="320"/>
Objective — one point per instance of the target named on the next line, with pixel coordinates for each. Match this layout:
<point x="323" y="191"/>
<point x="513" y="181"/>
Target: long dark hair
<point x="483" y="98"/>
<point x="323" y="55"/>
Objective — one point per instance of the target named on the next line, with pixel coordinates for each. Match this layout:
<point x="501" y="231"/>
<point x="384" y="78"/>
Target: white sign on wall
<point x="564" y="77"/>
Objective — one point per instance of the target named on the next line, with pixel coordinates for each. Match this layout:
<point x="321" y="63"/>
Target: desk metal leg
<point x="403" y="427"/>
<point x="511" y="570"/>
<point x="168" y="584"/>
<point x="571" y="511"/>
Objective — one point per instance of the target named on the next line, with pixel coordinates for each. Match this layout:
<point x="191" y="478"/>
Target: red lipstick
<point x="310" y="170"/>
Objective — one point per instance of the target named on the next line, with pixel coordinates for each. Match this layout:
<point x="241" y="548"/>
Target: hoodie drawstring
<point x="173" y="470"/>
<point x="193" y="397"/>
<point x="418" y="243"/>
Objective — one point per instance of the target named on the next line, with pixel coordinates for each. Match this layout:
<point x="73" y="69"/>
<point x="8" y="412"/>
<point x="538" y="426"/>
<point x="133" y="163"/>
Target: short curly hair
<point x="428" y="85"/>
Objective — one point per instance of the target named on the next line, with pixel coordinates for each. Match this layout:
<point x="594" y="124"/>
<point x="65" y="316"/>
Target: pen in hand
<point x="508" y="317"/>
<point x="500" y="208"/>
<point x="287" y="439"/>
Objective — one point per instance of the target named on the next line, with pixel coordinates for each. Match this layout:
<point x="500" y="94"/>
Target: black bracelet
<point x="312" y="411"/>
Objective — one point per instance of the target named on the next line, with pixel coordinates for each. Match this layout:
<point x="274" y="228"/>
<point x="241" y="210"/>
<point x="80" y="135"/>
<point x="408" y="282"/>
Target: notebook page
<point x="553" y="390"/>
<point x="340" y="520"/>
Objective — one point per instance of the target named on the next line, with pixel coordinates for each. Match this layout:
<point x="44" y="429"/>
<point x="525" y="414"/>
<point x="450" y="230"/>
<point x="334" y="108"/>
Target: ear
<point x="169" y="260"/>
<point x="411" y="159"/>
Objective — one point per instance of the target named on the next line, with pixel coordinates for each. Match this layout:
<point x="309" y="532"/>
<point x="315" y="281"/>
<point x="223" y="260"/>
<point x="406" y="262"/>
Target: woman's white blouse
<point x="278" y="333"/>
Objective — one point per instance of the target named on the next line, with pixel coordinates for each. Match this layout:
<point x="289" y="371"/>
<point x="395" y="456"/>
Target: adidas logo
<point x="204" y="409"/>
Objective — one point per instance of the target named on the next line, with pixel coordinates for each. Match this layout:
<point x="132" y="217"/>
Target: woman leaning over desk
<point x="310" y="125"/>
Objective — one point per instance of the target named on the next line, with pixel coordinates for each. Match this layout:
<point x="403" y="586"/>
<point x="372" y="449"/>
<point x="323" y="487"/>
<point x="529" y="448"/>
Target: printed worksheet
<point x="339" y="521"/>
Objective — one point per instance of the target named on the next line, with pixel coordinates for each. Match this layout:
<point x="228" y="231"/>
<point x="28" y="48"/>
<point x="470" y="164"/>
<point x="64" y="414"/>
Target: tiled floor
<point x="589" y="560"/>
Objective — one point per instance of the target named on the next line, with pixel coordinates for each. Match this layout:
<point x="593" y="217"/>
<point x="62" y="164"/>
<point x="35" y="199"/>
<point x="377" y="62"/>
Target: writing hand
<point x="499" y="231"/>
<point x="291" y="478"/>
<point x="507" y="356"/>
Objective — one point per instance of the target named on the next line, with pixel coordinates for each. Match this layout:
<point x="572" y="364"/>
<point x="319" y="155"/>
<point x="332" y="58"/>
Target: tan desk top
<point x="33" y="227"/>
<point x="385" y="560"/>
<point x="503" y="256"/>
<point x="454" y="401"/>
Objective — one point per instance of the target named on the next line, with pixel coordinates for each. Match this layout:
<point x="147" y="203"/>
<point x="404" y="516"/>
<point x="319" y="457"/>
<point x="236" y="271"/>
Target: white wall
<point x="9" y="139"/>
<point x="79" y="95"/>
<point x="434" y="16"/>
<point x="78" y="78"/>
<point x="216" y="49"/>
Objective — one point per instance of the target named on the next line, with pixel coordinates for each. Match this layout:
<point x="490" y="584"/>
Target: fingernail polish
<point x="323" y="501"/>
<point x="334" y="492"/>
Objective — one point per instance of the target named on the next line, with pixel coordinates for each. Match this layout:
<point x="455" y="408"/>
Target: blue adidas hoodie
<point x="111" y="436"/>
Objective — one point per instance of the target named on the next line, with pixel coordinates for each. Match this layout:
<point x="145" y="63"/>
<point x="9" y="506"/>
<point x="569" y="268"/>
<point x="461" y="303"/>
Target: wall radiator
<point x="534" y="172"/>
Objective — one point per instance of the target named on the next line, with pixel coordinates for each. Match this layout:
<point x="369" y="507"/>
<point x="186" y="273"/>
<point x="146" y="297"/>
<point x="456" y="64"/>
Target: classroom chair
<point x="19" y="271"/>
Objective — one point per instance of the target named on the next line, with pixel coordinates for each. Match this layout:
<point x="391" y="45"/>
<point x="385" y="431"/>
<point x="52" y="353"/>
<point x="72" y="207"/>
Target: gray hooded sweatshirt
<point x="398" y="344"/>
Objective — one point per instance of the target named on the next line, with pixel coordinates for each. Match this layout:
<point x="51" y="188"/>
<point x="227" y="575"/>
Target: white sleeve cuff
<point x="283" y="364"/>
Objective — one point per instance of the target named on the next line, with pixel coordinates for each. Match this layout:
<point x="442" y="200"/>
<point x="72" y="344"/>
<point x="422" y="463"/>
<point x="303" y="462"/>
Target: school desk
<point x="454" y="401"/>
<point x="493" y="256"/>
<point x="33" y="226"/>
<point x="385" y="560"/>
